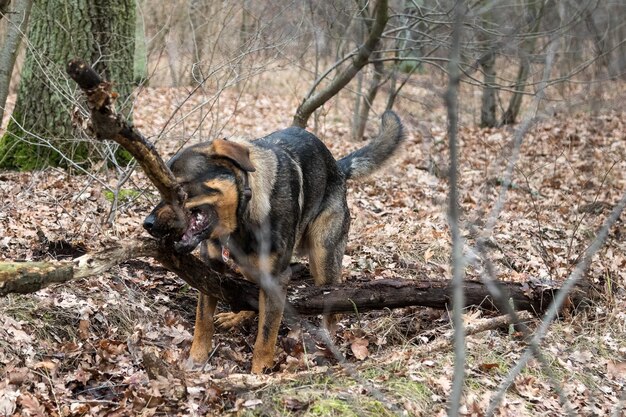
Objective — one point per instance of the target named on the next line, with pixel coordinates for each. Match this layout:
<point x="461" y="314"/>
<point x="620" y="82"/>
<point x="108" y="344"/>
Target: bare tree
<point x="18" y="21"/>
<point x="360" y="58"/>
<point x="534" y="13"/>
<point x="365" y="101"/>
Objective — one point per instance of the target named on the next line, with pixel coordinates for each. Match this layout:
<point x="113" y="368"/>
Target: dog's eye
<point x="210" y="190"/>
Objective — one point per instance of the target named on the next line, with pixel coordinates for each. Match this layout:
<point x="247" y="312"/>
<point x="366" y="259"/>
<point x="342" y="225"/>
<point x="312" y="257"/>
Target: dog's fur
<point x="262" y="200"/>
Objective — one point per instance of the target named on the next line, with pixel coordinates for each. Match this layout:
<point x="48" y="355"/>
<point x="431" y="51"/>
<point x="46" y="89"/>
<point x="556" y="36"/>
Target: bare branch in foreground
<point x="560" y="300"/>
<point x="457" y="259"/>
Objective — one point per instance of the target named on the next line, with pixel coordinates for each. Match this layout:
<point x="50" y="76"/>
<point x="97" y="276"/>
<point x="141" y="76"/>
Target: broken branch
<point x="108" y="124"/>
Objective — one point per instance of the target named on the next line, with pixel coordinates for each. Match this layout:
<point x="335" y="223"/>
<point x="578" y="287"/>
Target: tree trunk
<point x="41" y="132"/>
<point x="368" y="99"/>
<point x="18" y="22"/>
<point x="488" y="102"/>
<point x="515" y="104"/>
<point x="361" y="32"/>
<point x="361" y="113"/>
<point x="527" y="49"/>
<point x="487" y="64"/>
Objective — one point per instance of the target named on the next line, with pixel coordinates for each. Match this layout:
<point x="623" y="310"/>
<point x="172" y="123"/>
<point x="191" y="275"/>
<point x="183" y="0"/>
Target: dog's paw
<point x="262" y="359"/>
<point x="191" y="365"/>
<point x="229" y="320"/>
<point x="199" y="354"/>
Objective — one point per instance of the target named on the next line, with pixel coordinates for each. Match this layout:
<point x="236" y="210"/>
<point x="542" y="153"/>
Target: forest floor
<point x="81" y="349"/>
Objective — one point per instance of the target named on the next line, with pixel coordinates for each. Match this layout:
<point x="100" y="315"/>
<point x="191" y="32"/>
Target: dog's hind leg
<point x="327" y="237"/>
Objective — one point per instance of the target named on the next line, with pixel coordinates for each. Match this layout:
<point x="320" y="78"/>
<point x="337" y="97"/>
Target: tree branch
<point x="108" y="124"/>
<point x="313" y="101"/>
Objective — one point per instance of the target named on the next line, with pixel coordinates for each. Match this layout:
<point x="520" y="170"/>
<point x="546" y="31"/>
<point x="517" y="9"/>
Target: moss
<point x="123" y="157"/>
<point x="375" y="408"/>
<point x="413" y="390"/>
<point x="124" y="195"/>
<point x="331" y="407"/>
<point x="19" y="153"/>
<point x="374" y="373"/>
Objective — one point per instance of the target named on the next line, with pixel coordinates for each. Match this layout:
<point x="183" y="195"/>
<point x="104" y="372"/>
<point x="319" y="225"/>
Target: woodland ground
<point x="80" y="349"/>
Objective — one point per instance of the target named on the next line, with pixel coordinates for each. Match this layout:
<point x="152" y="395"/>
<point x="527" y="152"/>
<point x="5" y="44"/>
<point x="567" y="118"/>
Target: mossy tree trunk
<point x="40" y="132"/>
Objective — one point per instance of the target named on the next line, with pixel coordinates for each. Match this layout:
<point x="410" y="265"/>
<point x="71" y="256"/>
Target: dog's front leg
<point x="203" y="330"/>
<point x="271" y="306"/>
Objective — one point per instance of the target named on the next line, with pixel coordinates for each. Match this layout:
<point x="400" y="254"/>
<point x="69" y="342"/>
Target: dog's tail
<point x="366" y="160"/>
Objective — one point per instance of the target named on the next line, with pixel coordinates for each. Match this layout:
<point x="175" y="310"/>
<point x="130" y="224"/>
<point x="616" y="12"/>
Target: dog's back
<point x="306" y="180"/>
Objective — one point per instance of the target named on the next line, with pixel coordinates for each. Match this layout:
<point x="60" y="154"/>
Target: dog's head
<point x="214" y="176"/>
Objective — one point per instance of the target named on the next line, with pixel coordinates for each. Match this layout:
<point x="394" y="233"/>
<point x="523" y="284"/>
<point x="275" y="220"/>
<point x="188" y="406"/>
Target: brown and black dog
<point x="261" y="201"/>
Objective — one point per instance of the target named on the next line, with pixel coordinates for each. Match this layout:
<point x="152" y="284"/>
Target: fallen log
<point x="304" y="298"/>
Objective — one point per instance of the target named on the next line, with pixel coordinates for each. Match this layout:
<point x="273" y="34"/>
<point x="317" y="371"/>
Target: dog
<point x="259" y="202"/>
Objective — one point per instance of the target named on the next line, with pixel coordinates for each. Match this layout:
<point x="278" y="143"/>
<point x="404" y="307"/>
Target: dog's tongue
<point x="190" y="239"/>
<point x="195" y="225"/>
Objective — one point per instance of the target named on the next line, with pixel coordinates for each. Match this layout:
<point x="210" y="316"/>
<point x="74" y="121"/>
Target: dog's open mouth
<point x="199" y="226"/>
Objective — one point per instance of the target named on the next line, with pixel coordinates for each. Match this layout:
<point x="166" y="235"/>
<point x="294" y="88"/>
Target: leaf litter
<point x="116" y="344"/>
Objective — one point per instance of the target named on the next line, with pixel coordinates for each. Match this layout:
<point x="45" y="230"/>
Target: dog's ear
<point x="236" y="152"/>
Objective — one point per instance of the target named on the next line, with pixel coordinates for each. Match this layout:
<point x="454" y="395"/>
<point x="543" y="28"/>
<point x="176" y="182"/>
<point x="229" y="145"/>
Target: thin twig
<point x="458" y="262"/>
<point x="555" y="306"/>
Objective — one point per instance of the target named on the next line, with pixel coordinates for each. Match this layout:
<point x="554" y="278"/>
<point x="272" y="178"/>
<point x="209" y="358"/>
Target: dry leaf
<point x="8" y="398"/>
<point x="359" y="348"/>
<point x="486" y="367"/>
<point x="616" y="370"/>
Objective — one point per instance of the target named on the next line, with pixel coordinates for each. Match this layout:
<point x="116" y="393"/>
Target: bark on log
<point x="304" y="298"/>
<point x="27" y="277"/>
<point x="108" y="124"/>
